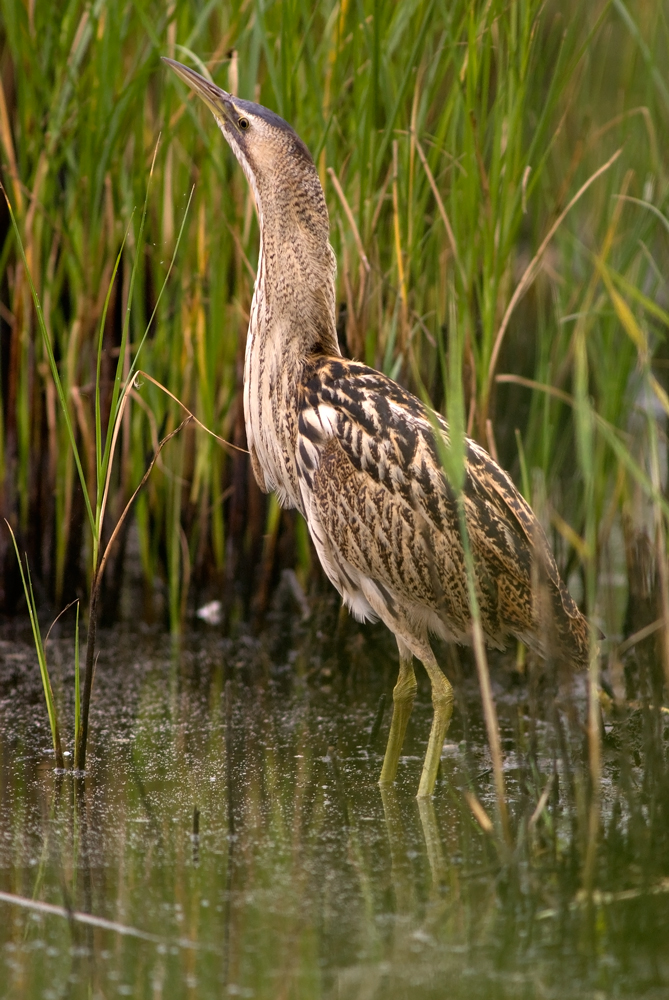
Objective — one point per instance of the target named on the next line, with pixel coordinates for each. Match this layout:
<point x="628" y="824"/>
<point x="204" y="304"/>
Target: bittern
<point x="357" y="454"/>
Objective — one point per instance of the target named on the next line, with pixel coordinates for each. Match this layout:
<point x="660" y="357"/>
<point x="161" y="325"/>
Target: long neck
<point x="298" y="289"/>
<point x="292" y="317"/>
<point x="295" y="284"/>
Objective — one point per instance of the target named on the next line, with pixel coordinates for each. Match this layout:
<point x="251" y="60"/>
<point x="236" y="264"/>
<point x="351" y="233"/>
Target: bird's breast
<point x="270" y="407"/>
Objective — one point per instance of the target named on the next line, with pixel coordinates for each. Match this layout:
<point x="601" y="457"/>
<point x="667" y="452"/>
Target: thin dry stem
<point x="442" y="211"/>
<point x="6" y="137"/>
<point x="119" y="523"/>
<point x="492" y="727"/>
<point x="351" y="219"/>
<point x="203" y="427"/>
<point x="59" y="615"/>
<point x="478" y="812"/>
<point x="531" y="272"/>
<point x="639" y="636"/>
<point x="530" y="383"/>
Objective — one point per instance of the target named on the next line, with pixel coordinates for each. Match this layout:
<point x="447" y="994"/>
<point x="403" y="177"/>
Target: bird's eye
<point x="243" y="124"/>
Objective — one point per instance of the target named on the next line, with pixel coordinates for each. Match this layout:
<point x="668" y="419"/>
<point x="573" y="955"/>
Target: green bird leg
<point x="442" y="701"/>
<point x="404" y="693"/>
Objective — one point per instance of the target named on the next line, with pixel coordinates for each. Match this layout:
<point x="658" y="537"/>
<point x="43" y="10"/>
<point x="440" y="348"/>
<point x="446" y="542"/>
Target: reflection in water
<point x="230" y="840"/>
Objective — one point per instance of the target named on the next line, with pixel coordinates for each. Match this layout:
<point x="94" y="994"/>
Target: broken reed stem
<point x="37" y="906"/>
<point x="203" y="427"/>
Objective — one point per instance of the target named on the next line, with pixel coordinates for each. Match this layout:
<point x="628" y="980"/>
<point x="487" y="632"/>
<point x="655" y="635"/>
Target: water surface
<point x="231" y="826"/>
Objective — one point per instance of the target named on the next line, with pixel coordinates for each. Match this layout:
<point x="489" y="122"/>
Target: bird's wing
<point x="493" y="486"/>
<point x="378" y="500"/>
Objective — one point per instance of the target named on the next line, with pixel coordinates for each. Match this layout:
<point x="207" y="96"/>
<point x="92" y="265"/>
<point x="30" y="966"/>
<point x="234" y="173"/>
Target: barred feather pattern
<point x="384" y="521"/>
<point x="357" y="454"/>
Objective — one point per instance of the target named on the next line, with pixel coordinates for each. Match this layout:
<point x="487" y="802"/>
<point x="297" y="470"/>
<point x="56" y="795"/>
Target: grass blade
<point x="41" y="653"/>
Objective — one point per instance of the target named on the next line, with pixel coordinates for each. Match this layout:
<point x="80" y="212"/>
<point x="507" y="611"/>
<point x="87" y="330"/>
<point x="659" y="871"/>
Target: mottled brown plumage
<point x="356" y="454"/>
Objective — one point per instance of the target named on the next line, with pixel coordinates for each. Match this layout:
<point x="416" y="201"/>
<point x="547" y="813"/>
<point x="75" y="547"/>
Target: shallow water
<point x="231" y="827"/>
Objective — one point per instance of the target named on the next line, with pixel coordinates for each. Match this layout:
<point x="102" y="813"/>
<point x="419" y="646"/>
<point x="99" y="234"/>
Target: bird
<point x="359" y="457"/>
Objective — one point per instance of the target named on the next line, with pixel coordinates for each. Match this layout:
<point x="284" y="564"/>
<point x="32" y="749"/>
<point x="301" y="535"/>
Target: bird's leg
<point x="435" y="851"/>
<point x="404" y="693"/>
<point x="442" y="700"/>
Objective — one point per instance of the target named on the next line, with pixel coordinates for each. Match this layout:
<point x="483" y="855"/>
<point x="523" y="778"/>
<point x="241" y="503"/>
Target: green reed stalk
<point x="104" y="458"/>
<point x="77" y="686"/>
<point x="452" y="455"/>
<point x="41" y="653"/>
<point x="53" y="367"/>
<point x="99" y="469"/>
<point x="120" y="397"/>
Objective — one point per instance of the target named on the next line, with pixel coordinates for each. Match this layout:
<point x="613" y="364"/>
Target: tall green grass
<point x="451" y="140"/>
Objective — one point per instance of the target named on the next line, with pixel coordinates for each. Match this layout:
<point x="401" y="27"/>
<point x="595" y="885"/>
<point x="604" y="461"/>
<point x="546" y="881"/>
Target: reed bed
<point x="451" y="140"/>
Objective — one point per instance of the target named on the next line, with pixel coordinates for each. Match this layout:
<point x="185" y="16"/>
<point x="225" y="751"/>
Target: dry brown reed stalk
<point x="639" y="636"/>
<point x="350" y="217"/>
<point x="491" y="723"/>
<point x="479" y="813"/>
<point x="8" y="144"/>
<point x="401" y="275"/>
<point x="541" y="804"/>
<point x="221" y="441"/>
<point x="355" y="336"/>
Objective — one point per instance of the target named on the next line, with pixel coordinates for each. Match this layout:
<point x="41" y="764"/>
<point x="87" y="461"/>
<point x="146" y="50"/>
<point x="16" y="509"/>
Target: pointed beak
<point x="217" y="100"/>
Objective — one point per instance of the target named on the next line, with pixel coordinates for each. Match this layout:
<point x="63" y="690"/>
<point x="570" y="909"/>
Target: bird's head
<point x="293" y="216"/>
<point x="276" y="162"/>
